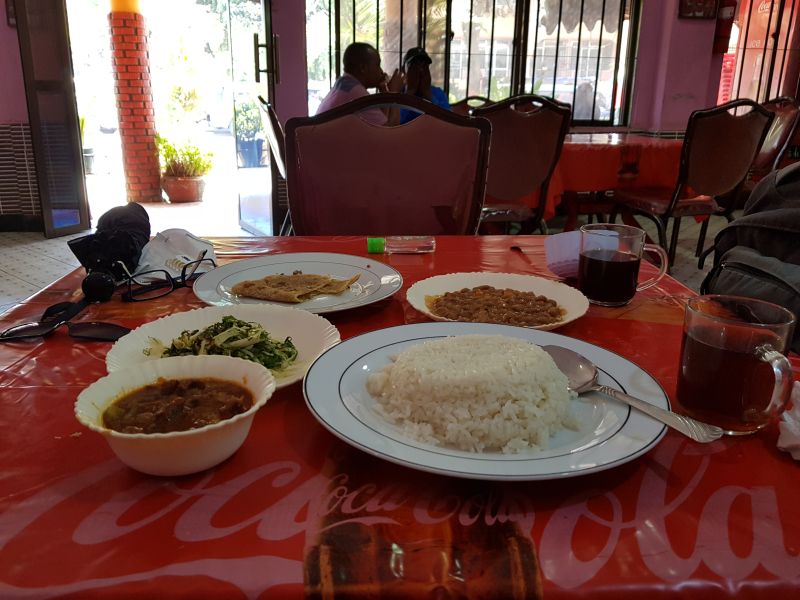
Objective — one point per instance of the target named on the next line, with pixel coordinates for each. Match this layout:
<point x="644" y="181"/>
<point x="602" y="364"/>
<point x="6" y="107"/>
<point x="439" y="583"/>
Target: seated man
<point x="418" y="82"/>
<point x="362" y="70"/>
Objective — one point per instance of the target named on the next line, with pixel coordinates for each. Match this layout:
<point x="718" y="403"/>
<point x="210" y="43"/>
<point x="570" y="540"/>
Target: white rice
<point x="475" y="392"/>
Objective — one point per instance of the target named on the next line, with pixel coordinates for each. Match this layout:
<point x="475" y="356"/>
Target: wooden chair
<point x="277" y="145"/>
<point x="528" y="134"/>
<point x="768" y="159"/>
<point x="463" y="107"/>
<point x="347" y="176"/>
<point x="718" y="149"/>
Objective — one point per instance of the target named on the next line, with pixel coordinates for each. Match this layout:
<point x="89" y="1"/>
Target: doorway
<point x="204" y="94"/>
<point x="50" y="96"/>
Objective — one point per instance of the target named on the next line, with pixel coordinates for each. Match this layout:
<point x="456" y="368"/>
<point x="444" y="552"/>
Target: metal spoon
<point x="582" y="376"/>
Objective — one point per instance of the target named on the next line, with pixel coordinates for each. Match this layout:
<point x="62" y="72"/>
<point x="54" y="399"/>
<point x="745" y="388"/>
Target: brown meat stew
<point x="177" y="405"/>
<point x="487" y="304"/>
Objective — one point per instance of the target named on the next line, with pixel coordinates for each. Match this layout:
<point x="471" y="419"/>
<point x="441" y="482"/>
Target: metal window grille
<point x="764" y="30"/>
<point x="577" y="51"/>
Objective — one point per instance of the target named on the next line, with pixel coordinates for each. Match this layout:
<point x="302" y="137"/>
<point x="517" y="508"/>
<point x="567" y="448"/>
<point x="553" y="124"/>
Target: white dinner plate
<point x="609" y="434"/>
<point x="376" y="282"/>
<point x="310" y="333"/>
<point x="574" y="303"/>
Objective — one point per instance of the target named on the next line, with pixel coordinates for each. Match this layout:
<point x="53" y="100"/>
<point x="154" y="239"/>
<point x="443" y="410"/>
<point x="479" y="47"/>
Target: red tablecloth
<point x="606" y="161"/>
<point x="297" y="511"/>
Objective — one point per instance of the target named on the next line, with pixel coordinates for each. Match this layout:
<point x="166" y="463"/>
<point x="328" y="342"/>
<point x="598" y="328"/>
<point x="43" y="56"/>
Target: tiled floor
<point x="28" y="261"/>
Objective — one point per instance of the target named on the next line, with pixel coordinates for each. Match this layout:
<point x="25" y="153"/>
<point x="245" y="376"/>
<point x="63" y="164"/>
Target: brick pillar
<point x="135" y="106"/>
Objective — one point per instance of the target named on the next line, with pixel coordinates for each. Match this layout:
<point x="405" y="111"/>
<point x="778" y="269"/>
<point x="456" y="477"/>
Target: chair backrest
<point x="527" y="136"/>
<point x="787" y="114"/>
<point x="275" y="137"/>
<point x="462" y="107"/>
<point x="720" y="146"/>
<point x="347" y="176"/>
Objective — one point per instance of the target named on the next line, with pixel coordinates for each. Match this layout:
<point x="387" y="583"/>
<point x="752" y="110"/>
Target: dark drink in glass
<point x="732" y="371"/>
<point x="608" y="263"/>
<point x="608" y="277"/>
<point x="729" y="387"/>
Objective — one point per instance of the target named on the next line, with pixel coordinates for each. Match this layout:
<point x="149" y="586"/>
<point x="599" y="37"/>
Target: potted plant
<point x="182" y="170"/>
<point x="248" y="127"/>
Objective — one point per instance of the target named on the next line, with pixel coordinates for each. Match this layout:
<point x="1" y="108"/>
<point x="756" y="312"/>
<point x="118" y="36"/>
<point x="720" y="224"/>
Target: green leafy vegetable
<point x="230" y="337"/>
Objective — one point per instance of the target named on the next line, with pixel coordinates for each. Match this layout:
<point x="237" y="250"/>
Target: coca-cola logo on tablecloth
<point x="305" y="504"/>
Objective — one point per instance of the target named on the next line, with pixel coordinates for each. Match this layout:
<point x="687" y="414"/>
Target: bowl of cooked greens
<point x="282" y="339"/>
<point x="178" y="415"/>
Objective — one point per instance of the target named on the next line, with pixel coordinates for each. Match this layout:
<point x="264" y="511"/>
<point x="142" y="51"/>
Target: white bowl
<point x="311" y="335"/>
<point x="177" y="452"/>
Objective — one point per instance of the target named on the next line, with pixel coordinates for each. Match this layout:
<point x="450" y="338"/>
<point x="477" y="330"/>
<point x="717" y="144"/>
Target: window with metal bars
<point x="758" y="64"/>
<point x="576" y="51"/>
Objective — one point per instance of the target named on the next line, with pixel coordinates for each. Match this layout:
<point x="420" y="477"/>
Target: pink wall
<point x="676" y="71"/>
<point x="289" y="24"/>
<point x="13" y="108"/>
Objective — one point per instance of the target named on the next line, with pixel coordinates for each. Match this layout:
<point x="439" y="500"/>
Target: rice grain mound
<point x="475" y="392"/>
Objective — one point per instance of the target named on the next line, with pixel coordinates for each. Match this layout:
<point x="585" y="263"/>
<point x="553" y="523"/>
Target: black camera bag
<point x="758" y="254"/>
<point x="121" y="234"/>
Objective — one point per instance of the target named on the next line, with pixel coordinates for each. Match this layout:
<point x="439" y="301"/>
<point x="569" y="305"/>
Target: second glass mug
<point x="733" y="372"/>
<point x="608" y="268"/>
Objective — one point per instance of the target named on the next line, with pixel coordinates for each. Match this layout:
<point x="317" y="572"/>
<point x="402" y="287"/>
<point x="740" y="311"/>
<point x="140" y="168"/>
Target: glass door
<point x="254" y="60"/>
<point x="47" y="69"/>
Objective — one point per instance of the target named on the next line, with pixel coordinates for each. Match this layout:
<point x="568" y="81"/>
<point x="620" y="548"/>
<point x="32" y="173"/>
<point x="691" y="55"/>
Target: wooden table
<point x="298" y="512"/>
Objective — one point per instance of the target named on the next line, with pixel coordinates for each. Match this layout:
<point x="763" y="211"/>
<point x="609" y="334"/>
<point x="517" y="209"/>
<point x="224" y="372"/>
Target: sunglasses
<point x="87" y="330"/>
<point x="60" y="314"/>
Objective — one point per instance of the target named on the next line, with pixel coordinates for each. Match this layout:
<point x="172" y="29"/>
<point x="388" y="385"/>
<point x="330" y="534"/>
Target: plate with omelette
<point x="319" y="282"/>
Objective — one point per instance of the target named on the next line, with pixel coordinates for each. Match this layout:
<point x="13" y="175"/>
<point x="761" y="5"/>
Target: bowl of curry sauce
<point x="176" y="416"/>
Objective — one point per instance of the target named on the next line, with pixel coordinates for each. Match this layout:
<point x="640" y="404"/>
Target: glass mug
<point x="608" y="266"/>
<point x="732" y="371"/>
